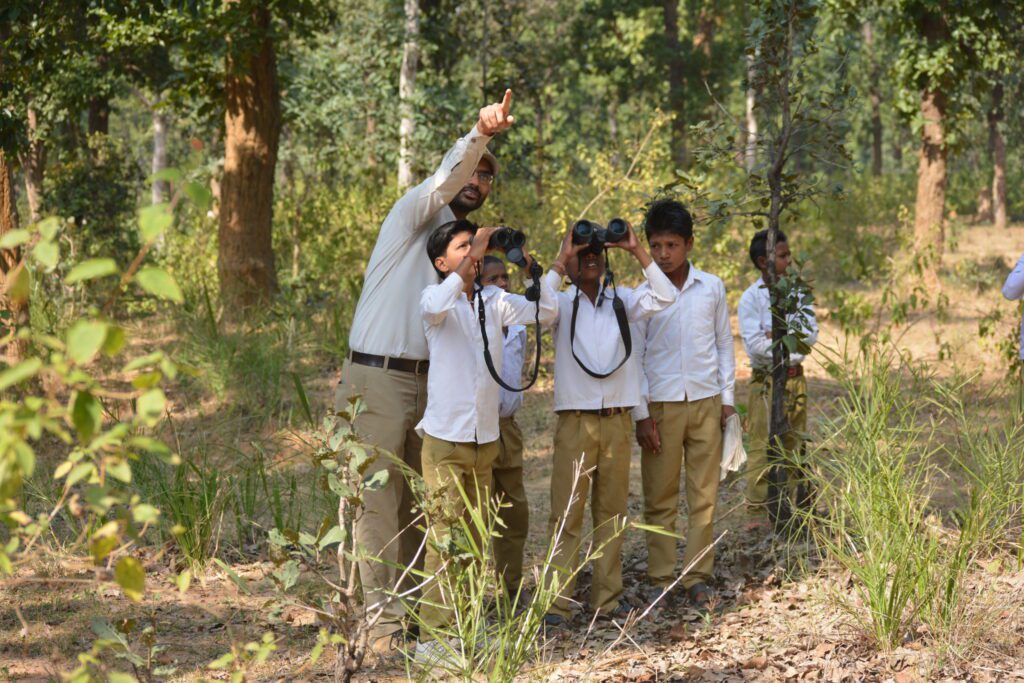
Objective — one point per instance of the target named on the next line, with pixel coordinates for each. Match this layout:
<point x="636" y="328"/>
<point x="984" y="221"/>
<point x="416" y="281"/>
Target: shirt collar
<point x="694" y="275"/>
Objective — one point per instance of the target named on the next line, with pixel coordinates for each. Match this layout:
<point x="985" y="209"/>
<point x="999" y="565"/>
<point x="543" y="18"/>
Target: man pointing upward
<point x="387" y="361"/>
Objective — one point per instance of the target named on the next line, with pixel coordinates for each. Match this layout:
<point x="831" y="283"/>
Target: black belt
<point x="416" y="367"/>
<point x="601" y="412"/>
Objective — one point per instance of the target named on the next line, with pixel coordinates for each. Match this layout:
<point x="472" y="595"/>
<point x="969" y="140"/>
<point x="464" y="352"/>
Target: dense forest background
<point x="189" y="193"/>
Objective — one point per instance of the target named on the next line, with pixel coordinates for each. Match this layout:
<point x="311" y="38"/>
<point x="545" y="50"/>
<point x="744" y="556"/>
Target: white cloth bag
<point x="733" y="454"/>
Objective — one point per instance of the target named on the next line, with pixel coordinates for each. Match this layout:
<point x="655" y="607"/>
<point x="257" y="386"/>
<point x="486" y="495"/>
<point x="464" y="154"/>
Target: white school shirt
<point x="462" y="397"/>
<point x="387" y="319"/>
<point x="599" y="344"/>
<point x="1013" y="289"/>
<point x="513" y="351"/>
<point x="686" y="349"/>
<point x="755" y="318"/>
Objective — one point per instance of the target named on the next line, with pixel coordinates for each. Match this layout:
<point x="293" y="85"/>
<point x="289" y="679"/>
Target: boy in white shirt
<point x="689" y="373"/>
<point x="593" y="414"/>
<point x="507" y="473"/>
<point x="1013" y="289"/>
<point x="755" y="319"/>
<point x="460" y="423"/>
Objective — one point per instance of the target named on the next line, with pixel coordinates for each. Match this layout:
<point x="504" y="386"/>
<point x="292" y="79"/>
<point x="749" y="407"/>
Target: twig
<point x="624" y="178"/>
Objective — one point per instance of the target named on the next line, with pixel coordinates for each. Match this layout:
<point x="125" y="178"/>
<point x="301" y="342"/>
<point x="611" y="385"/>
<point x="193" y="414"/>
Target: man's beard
<point x="462" y="205"/>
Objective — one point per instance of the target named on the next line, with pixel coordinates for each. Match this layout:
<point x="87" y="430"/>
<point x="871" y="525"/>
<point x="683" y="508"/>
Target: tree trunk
<point x="161" y="189"/>
<point x="406" y="91"/>
<point x="929" y="208"/>
<point x="33" y="161"/>
<point x="750" y="153"/>
<point x="13" y="306"/>
<point x="99" y="116"/>
<point x="998" y="146"/>
<point x="875" y="97"/>
<point x="676" y="80"/>
<point x="252" y="125"/>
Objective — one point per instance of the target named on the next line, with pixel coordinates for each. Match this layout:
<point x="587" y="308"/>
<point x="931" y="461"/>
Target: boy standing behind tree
<point x="689" y="376"/>
<point x="755" y="318"/>
<point x="507" y="472"/>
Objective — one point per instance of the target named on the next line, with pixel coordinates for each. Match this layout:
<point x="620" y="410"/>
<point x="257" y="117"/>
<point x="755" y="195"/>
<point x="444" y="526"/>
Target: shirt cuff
<point x="729" y="398"/>
<point x="475" y="135"/>
<point x="641" y="412"/>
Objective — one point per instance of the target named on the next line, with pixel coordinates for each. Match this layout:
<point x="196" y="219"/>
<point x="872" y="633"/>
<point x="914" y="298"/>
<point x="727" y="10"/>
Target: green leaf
<point x="183" y="580"/>
<point x="235" y="578"/>
<point x="303" y="399"/>
<point x="20" y="284"/>
<point x="150" y="406"/>
<point x="275" y="537"/>
<point x="86" y="415"/>
<point x="154" y="219"/>
<point x="222" y="662"/>
<point x="91" y="269"/>
<point x="287" y="574"/>
<point x="115" y="340"/>
<point x="143" y="513"/>
<point x="199" y="194"/>
<point x="376" y="481"/>
<point x="120" y="470"/>
<point x="20" y="372"/>
<point x="85" y="339"/>
<point x="48" y="227"/>
<point x="159" y="282"/>
<point x="14" y="238"/>
<point x="150" y="445"/>
<point x="131" y="577"/>
<point x="171" y="175"/>
<point x="118" y="677"/>
<point x="79" y="472"/>
<point x="47" y="254"/>
<point x="337" y="534"/>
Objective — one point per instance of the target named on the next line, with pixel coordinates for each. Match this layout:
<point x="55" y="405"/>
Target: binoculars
<point x="588" y="232"/>
<point x="510" y="241"/>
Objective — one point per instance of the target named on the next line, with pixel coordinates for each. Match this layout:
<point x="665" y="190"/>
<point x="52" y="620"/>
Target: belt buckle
<point x="421" y="367"/>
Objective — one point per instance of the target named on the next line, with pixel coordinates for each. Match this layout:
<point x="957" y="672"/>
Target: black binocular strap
<point x="619" y="309"/>
<point x="487" y="351"/>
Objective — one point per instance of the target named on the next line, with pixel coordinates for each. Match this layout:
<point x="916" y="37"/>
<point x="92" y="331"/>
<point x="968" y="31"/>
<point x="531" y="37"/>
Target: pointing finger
<point x="506" y="102"/>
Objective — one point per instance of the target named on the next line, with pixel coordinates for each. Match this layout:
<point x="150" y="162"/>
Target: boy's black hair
<point x="437" y="243"/>
<point x="759" y="244"/>
<point x="490" y="259"/>
<point x="668" y="215"/>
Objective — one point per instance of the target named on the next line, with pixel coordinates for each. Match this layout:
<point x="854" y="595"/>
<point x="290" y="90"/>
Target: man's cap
<point x="491" y="159"/>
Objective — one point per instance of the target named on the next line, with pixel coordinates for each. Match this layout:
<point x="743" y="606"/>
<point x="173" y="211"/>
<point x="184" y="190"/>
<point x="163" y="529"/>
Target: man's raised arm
<point x="458" y="165"/>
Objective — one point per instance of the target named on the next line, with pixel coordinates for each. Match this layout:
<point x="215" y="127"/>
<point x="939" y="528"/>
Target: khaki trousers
<point x="603" y="446"/>
<point x="759" y="408"/>
<point x="395" y="401"/>
<point x="515" y="511"/>
<point x="691" y="434"/>
<point x="444" y="464"/>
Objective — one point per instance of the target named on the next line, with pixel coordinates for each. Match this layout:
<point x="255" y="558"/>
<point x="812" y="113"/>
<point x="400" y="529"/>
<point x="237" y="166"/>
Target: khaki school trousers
<point x="395" y="401"/>
<point x="759" y="409"/>
<point x="602" y="444"/>
<point x="514" y="514"/>
<point x="446" y="463"/>
<point x="691" y="440"/>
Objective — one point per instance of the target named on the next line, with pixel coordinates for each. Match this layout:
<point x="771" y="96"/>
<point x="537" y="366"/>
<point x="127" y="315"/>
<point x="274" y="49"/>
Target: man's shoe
<point x="700" y="595"/>
<point x="660" y="593"/>
<point x="435" y="654"/>
<point x="553" y="621"/>
<point x="619" y="614"/>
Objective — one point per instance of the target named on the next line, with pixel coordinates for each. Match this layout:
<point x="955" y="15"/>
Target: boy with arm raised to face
<point x="593" y="415"/>
<point x="507" y="473"/>
<point x="689" y="374"/>
<point x="755" y="319"/>
<point x="460" y="423"/>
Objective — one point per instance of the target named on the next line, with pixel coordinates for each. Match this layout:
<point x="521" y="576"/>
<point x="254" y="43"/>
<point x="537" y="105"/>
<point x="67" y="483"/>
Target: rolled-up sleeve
<point x="643" y="302"/>
<point x="757" y="345"/>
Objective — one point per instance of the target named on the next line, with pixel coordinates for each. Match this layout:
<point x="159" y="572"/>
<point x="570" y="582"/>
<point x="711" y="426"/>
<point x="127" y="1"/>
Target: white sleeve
<point x="512" y="370"/>
<point x="757" y="345"/>
<point x="420" y="203"/>
<point x="643" y="302"/>
<point x="641" y="410"/>
<point x="723" y="344"/>
<point x="516" y="309"/>
<point x="1013" y="289"/>
<point x="437" y="300"/>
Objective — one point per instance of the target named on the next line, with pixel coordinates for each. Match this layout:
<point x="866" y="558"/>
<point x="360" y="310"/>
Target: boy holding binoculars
<point x="593" y="399"/>
<point x="460" y="423"/>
